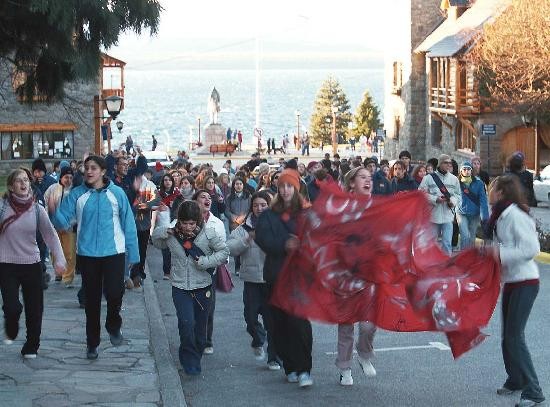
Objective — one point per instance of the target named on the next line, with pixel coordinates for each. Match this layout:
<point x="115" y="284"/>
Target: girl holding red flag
<point x="276" y="236"/>
<point x="357" y="181"/>
<point x="514" y="230"/>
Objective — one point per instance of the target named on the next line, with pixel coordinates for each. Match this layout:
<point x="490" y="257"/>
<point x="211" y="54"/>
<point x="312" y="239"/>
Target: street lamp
<point x="199" y="120"/>
<point x="334" y="109"/>
<point x="119" y="125"/>
<point x="297" y="113"/>
<point x="113" y="104"/>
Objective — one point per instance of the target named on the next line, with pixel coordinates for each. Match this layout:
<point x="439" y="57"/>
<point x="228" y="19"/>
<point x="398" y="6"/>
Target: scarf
<point x="187" y="192"/>
<point x="20" y="205"/>
<point x="490" y="227"/>
<point x="466" y="180"/>
<point x="418" y="179"/>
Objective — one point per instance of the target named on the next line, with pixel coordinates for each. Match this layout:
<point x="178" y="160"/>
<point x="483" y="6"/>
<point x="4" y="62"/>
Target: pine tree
<point x="330" y="94"/>
<point x="367" y="117"/>
<point x="51" y="42"/>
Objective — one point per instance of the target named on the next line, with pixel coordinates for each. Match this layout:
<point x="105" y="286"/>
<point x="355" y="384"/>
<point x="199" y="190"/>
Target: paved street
<point x="423" y="376"/>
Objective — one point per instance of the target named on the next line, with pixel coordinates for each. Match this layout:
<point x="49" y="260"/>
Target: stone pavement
<point x="62" y="376"/>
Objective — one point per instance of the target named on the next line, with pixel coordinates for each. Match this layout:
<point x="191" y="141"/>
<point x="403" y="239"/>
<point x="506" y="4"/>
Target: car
<point x="542" y="187"/>
<point x="154" y="156"/>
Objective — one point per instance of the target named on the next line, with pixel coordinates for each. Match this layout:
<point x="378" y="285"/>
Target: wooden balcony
<point x="450" y="101"/>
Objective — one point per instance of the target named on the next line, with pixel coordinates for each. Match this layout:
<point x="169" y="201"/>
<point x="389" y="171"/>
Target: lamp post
<point x="297" y="112"/>
<point x="334" y="109"/>
<point x="113" y="104"/>
<point x="199" y="120"/>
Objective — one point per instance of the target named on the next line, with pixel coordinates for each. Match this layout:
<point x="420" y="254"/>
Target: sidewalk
<point x="62" y="376"/>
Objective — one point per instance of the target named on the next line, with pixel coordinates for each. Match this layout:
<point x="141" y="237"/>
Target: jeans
<point x="305" y="148"/>
<point x="102" y="274"/>
<point x="467" y="225"/>
<point x="29" y="278"/>
<point x="445" y="230"/>
<point x="345" y="343"/>
<point x="255" y="300"/>
<point x="516" y="307"/>
<point x="211" y="309"/>
<point x="192" y="311"/>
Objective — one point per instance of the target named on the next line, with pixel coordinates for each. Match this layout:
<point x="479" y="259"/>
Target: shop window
<point x="37" y="144"/>
<point x="465" y="138"/>
<point x="437" y="132"/>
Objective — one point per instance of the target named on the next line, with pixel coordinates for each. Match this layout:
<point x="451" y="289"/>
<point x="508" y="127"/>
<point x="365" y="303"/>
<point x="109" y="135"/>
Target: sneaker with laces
<point x="366" y="366"/>
<point x="273" y="365"/>
<point x="346" y="378"/>
<point x="292" y="377"/>
<point x="259" y="353"/>
<point x="304" y="379"/>
<point x="209" y="350"/>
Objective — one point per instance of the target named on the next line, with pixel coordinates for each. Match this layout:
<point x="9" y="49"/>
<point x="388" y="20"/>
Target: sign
<point x="104" y="132"/>
<point x="489" y="129"/>
<point x="258" y="132"/>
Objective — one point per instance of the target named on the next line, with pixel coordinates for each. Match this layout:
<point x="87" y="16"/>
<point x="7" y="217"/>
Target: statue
<point x="214" y="106"/>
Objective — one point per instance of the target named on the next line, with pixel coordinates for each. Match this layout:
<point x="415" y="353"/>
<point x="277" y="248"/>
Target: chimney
<point x="455" y="8"/>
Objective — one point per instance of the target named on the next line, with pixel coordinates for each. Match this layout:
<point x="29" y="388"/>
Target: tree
<point x="52" y="42"/>
<point x="330" y="94"/>
<point x="367" y="117"/>
<point x="511" y="56"/>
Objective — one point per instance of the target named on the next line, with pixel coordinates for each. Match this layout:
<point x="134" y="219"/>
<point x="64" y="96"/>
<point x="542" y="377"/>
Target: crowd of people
<point x="98" y="216"/>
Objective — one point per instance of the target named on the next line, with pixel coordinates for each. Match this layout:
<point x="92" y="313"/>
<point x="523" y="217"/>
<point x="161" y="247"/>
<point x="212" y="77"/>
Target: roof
<point x="110" y="61"/>
<point x="453" y="35"/>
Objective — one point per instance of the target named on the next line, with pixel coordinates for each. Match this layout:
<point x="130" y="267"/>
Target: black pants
<point x="293" y="341"/>
<point x="166" y="261"/>
<point x="516" y="307"/>
<point x="212" y="308"/>
<point x="143" y="241"/>
<point x="98" y="272"/>
<point x="29" y="278"/>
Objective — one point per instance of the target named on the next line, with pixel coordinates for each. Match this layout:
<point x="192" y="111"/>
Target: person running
<point x="20" y="219"/>
<point x="473" y="207"/>
<point x="106" y="232"/>
<point x="357" y="181"/>
<point x="511" y="227"/>
<point x="255" y="293"/>
<point x="276" y="236"/>
<point x="196" y="248"/>
<point x="52" y="197"/>
<point x="204" y="200"/>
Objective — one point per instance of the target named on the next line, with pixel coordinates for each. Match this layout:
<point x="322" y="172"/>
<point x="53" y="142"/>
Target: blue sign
<point x="489" y="129"/>
<point x="104" y="132"/>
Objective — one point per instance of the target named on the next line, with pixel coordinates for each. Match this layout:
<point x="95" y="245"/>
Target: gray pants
<point x="346" y="339"/>
<point x="516" y="307"/>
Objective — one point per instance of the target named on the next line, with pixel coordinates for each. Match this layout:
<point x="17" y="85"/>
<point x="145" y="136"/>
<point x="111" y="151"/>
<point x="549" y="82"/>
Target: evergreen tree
<point x="330" y="94"/>
<point x="51" y="42"/>
<point x="367" y="117"/>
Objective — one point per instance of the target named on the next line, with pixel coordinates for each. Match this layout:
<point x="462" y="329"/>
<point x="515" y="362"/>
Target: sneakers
<point x="8" y="341"/>
<point x="366" y="366"/>
<point x="166" y="276"/>
<point x="30" y="355"/>
<point x="528" y="403"/>
<point x="505" y="391"/>
<point x="292" y="377"/>
<point x="28" y="352"/>
<point x="116" y="338"/>
<point x="129" y="284"/>
<point x="209" y="350"/>
<point x="273" y="365"/>
<point x="304" y="380"/>
<point x="345" y="378"/>
<point x="259" y="353"/>
<point x="91" y="353"/>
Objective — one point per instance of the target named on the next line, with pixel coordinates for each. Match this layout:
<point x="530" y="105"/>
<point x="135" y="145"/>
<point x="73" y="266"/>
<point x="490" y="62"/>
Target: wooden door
<point x="520" y="139"/>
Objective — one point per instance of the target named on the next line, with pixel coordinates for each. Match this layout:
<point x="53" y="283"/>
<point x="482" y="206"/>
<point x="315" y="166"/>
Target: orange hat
<point x="291" y="177"/>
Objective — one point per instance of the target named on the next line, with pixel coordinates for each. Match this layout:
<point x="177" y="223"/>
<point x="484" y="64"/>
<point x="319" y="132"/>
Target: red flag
<point x="363" y="259"/>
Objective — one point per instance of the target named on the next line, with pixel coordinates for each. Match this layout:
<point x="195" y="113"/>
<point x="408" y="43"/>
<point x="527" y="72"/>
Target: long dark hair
<point x="162" y="188"/>
<point x="511" y="189"/>
<point x="266" y="196"/>
<point x="233" y="194"/>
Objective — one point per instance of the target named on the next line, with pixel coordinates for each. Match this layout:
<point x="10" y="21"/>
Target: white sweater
<point x="518" y="245"/>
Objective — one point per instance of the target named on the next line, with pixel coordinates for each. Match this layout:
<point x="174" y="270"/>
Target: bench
<point x="222" y="148"/>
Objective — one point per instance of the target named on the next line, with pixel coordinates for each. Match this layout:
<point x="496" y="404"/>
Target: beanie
<point x="38" y="164"/>
<point x="63" y="164"/>
<point x="466" y="164"/>
<point x="291" y="177"/>
<point x="65" y="171"/>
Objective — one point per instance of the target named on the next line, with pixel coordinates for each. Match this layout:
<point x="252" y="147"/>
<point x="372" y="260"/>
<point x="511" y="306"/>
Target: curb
<point x="169" y="379"/>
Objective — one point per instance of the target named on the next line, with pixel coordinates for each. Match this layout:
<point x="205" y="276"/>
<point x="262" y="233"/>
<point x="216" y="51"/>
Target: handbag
<point x="223" y="282"/>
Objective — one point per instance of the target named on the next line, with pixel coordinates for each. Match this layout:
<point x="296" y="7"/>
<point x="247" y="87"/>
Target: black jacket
<point x="404" y="184"/>
<point x="380" y="184"/>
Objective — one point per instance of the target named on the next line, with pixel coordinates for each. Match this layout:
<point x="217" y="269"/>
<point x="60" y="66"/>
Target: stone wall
<point x="77" y="109"/>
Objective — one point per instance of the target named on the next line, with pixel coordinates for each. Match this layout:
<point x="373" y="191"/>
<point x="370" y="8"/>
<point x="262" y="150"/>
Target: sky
<point x="202" y="32"/>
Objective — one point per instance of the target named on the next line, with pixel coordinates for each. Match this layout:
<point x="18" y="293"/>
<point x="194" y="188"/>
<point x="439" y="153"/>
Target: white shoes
<point x="209" y="350"/>
<point x="8" y="341"/>
<point x="292" y="377"/>
<point x="345" y="378"/>
<point x="259" y="353"/>
<point x="366" y="367"/>
<point x="273" y="365"/>
<point x="305" y="380"/>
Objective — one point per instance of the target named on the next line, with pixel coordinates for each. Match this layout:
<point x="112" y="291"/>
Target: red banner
<point x="376" y="260"/>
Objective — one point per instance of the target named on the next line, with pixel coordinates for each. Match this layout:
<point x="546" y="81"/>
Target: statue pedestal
<point x="213" y="134"/>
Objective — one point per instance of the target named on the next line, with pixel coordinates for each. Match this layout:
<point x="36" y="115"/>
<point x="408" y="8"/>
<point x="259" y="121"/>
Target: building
<point x="432" y="102"/>
<point x="63" y="130"/>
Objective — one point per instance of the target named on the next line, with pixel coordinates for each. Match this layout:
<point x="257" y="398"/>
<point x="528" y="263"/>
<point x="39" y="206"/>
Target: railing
<point x="446" y="99"/>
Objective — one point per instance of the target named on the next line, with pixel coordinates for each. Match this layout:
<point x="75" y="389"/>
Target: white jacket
<point x="252" y="257"/>
<point x="441" y="213"/>
<point x="518" y="245"/>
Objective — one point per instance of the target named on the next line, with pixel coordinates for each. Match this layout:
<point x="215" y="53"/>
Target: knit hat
<point x="291" y="177"/>
<point x="64" y="164"/>
<point x="65" y="171"/>
<point x="311" y="165"/>
<point x="38" y="164"/>
<point x="466" y="164"/>
<point x="443" y="157"/>
<point x="158" y="166"/>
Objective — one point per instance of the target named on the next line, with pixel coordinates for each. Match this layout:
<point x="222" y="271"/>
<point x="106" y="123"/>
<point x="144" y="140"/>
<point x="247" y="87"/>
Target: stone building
<point x="59" y="130"/>
<point x="433" y="106"/>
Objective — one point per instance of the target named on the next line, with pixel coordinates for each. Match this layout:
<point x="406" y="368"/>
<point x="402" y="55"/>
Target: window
<point x="37" y="144"/>
<point x="437" y="132"/>
<point x="465" y="137"/>
<point x="397" y="128"/>
<point x="397" y="78"/>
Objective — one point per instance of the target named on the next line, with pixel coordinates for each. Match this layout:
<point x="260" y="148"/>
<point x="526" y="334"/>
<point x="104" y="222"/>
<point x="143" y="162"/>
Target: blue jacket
<point x="105" y="220"/>
<point x="380" y="184"/>
<point x="476" y="190"/>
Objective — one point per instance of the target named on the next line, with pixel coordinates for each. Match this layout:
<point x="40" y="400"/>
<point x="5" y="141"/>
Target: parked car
<point x="154" y="156"/>
<point x="542" y="187"/>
